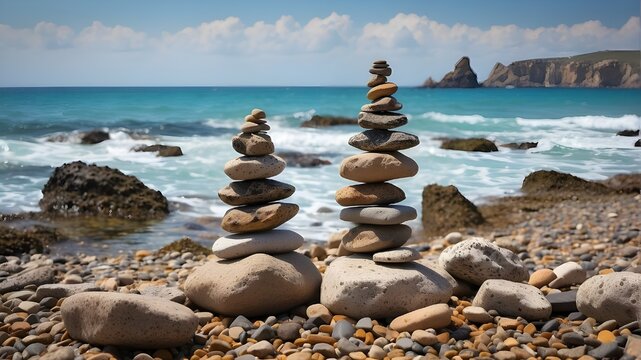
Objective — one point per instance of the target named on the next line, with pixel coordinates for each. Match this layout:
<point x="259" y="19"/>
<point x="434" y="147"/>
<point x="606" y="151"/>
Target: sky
<point x="292" y="42"/>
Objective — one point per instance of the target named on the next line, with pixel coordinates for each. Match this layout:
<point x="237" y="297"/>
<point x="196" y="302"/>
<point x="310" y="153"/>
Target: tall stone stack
<point x="258" y="271"/>
<point x="381" y="279"/>
<point x="380" y="224"/>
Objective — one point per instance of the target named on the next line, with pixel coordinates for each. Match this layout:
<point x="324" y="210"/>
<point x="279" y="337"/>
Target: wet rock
<point x="323" y="121"/>
<point x="521" y="146"/>
<point x="161" y="150"/>
<point x="472" y="144"/>
<point x="76" y="189"/>
<point x="185" y="245"/>
<point x="34" y="239"/>
<point x="94" y="137"/>
<point x="628" y="133"/>
<point x="446" y="209"/>
<point x="297" y="159"/>
<point x="626" y="183"/>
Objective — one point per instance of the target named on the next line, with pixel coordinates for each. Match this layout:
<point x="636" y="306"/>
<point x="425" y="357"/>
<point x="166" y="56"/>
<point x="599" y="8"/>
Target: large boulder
<point x="472" y="144"/>
<point x="615" y="296"/>
<point x="445" y="209"/>
<point x="476" y="260"/>
<point x="461" y="77"/>
<point x="78" y="189"/>
<point x="128" y="320"/>
<point x="256" y="285"/>
<point x="550" y="181"/>
<point x="358" y="287"/>
<point x="628" y="133"/>
<point x="627" y="183"/>
<point x="318" y="121"/>
<point x="93" y="137"/>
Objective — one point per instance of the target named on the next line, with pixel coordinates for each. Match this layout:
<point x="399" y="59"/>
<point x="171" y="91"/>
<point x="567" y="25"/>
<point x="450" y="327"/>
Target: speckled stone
<point x="513" y="299"/>
<point x="251" y="192"/>
<point x="614" y="296"/>
<point x="383" y="140"/>
<point x="254" y="167"/>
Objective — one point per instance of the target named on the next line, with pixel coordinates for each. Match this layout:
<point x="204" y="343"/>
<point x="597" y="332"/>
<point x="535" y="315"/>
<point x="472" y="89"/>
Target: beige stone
<point x="128" y="320"/>
<point x="256" y="285"/>
<point x="254" y="167"/>
<point x="253" y="144"/>
<point x="335" y="238"/>
<point x="541" y="277"/>
<point x="252" y="192"/>
<point x="372" y="238"/>
<point x="388" y="103"/>
<point x="358" y="287"/>
<point x="252" y="119"/>
<point x="258" y="114"/>
<point x="319" y="310"/>
<point x="567" y="274"/>
<point x="379" y="91"/>
<point x="369" y="194"/>
<point x="252" y="218"/>
<point x="373" y="167"/>
<point x="250" y="127"/>
<point x="397" y="255"/>
<point x="513" y="299"/>
<point x="616" y="296"/>
<point x="430" y="317"/>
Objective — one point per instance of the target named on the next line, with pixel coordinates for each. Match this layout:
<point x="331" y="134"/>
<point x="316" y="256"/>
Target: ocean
<point x="575" y="130"/>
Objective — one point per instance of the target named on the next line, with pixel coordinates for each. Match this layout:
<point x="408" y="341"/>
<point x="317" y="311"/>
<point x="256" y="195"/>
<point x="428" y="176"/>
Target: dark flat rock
<point x="563" y="302"/>
<point x="383" y="140"/>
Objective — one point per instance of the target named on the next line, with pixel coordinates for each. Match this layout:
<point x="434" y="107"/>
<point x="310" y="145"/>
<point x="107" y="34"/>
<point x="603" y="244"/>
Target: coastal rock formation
<point x="256" y="265"/>
<point x="461" y="77"/>
<point x="78" y="189"/>
<point x="472" y="144"/>
<point x="521" y="146"/>
<point x="25" y="241"/>
<point x="94" y="137"/>
<point x="318" y="121"/>
<point x="381" y="279"/>
<point x="297" y="159"/>
<point x="161" y="150"/>
<point x="545" y="181"/>
<point x="628" y="133"/>
<point x="600" y="69"/>
<point x="445" y="209"/>
<point x="127" y="320"/>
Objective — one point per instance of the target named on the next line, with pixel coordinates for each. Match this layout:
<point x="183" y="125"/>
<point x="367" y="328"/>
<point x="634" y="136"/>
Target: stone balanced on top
<point x="381" y="280"/>
<point x="381" y="225"/>
<point x="258" y="271"/>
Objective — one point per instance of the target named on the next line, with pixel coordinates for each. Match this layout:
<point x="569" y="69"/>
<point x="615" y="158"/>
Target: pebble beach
<point x="554" y="273"/>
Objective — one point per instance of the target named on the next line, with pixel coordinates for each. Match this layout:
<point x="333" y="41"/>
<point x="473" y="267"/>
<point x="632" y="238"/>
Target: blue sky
<point x="289" y="42"/>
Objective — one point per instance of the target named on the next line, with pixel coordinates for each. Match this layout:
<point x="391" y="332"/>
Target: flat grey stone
<point x="343" y="329"/>
<point x="383" y="140"/>
<point x="381" y="120"/>
<point x="396" y="256"/>
<point x="64" y="290"/>
<point x="38" y="276"/>
<point x="564" y="302"/>
<point x="378" y="215"/>
<point x="268" y="242"/>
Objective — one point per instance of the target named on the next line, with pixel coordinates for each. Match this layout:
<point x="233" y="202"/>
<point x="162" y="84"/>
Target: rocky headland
<point x="593" y="70"/>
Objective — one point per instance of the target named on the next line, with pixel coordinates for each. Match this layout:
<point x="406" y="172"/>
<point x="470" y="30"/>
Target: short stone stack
<point x="257" y="265"/>
<point x="380" y="224"/>
<point x="381" y="279"/>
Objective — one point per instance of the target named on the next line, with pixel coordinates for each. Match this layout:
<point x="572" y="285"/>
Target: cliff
<point x="599" y="69"/>
<point x="461" y="77"/>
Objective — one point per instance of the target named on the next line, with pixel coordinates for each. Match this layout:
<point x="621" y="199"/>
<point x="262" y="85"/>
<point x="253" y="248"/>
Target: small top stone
<point x="380" y="62"/>
<point x="258" y="114"/>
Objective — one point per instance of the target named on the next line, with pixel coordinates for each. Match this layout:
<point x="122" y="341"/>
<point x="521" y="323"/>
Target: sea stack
<point x="257" y="271"/>
<point x="380" y="279"/>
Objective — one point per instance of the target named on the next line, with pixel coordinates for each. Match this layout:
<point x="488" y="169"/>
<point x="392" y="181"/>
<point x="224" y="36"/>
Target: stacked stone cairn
<point x="257" y="271"/>
<point x="381" y="279"/>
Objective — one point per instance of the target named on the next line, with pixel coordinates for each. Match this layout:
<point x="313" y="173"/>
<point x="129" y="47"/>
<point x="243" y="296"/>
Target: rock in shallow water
<point x="129" y="320"/>
<point x="476" y="260"/>
<point x="513" y="299"/>
<point x="269" y="242"/>
<point x="615" y="296"/>
<point x="358" y="287"/>
<point x="256" y="285"/>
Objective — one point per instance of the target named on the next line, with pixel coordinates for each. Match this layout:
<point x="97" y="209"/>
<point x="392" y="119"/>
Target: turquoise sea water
<point x="575" y="129"/>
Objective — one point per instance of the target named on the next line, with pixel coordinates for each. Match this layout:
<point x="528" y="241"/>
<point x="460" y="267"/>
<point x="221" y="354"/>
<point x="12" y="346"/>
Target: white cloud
<point x="119" y="38"/>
